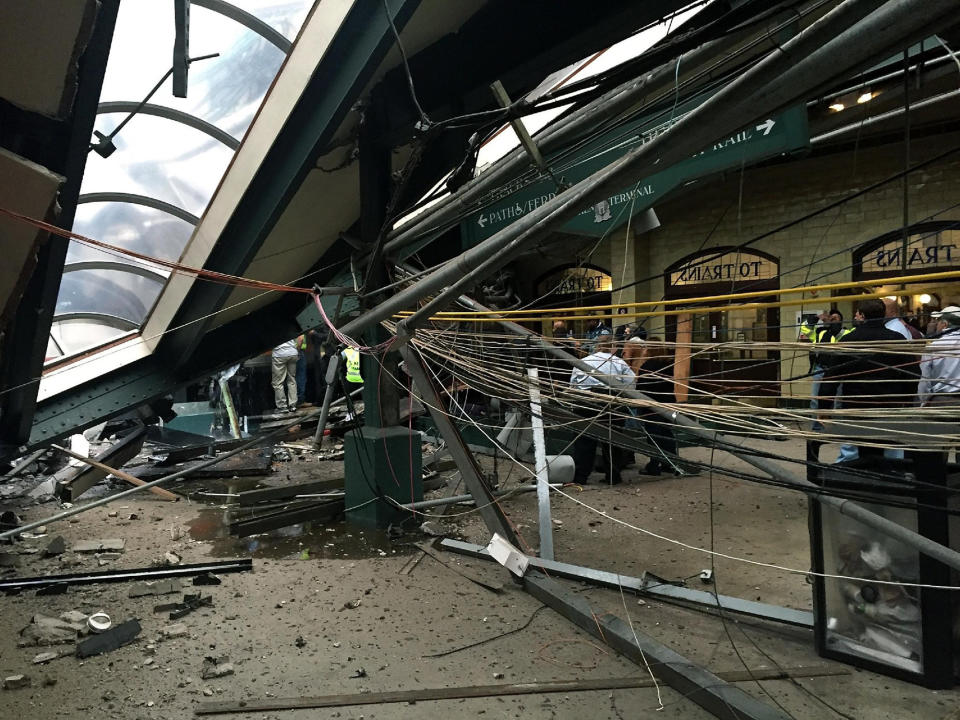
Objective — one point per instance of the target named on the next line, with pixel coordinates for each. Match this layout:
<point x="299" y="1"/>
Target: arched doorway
<point x="725" y="371"/>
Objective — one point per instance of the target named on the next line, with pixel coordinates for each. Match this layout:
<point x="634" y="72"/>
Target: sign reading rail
<point x="772" y="136"/>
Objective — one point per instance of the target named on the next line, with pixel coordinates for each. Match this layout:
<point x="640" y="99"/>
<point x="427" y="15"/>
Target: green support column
<point x="383" y="457"/>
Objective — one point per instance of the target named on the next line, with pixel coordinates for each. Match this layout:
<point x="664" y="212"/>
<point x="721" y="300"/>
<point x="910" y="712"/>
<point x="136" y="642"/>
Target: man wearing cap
<point x="940" y="365"/>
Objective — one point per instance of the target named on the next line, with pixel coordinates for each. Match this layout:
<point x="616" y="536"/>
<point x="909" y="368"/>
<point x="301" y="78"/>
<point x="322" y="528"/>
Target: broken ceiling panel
<point x="41" y="76"/>
<point x="31" y="190"/>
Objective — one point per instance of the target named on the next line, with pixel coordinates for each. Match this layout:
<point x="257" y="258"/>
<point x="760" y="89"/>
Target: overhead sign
<point x="735" y="266"/>
<point x="925" y="252"/>
<point x="575" y="281"/>
<point x="774" y="135"/>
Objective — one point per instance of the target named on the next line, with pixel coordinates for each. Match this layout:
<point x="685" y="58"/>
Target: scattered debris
<point x="360" y="673"/>
<point x="57" y="546"/>
<point x="191" y="601"/>
<point x="122" y="634"/>
<point x="434" y="529"/>
<point x="171" y="558"/>
<point x="507" y="555"/>
<point x="87" y="578"/>
<point x="300" y="642"/>
<point x="160" y="587"/>
<point x="45" y="657"/>
<point x="491" y="585"/>
<point x="9" y="520"/>
<point x="174" y="631"/>
<point x="216" y="667"/>
<point x="281" y="454"/>
<point x="15" y="682"/>
<point x="206" y="579"/>
<point x="99" y="622"/>
<point x="99" y="546"/>
<point x="498" y="676"/>
<point x="9" y="560"/>
<point x="77" y="618"/>
<point x="351" y="605"/>
<point x="44" y="630"/>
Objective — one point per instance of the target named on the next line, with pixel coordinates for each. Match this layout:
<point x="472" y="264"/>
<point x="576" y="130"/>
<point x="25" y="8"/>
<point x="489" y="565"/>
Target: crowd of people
<point x="888" y="373"/>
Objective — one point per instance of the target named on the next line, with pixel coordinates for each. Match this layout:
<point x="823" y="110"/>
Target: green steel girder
<point x="141" y="382"/>
<point x="358" y="49"/>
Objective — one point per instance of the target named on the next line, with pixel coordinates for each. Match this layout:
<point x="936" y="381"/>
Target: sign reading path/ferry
<point x="778" y="134"/>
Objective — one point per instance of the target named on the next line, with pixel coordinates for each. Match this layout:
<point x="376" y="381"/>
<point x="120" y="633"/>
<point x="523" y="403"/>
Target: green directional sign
<point x="777" y="134"/>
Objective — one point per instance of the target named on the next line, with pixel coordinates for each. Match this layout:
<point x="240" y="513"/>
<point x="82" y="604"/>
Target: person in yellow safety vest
<point x="351" y="358"/>
<point x="830" y="331"/>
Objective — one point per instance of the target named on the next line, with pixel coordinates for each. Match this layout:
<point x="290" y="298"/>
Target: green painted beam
<point x="359" y="47"/>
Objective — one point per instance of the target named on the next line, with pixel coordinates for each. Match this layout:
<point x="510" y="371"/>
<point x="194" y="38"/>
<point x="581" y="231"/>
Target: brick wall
<point x="733" y="209"/>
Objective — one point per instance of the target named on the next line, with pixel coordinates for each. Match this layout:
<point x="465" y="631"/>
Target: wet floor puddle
<point x="334" y="540"/>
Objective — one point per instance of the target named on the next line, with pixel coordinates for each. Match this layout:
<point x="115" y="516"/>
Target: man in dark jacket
<point x="875" y="378"/>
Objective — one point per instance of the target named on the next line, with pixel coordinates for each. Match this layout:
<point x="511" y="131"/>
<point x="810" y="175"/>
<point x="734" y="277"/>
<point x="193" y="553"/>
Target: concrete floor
<point x="402" y="618"/>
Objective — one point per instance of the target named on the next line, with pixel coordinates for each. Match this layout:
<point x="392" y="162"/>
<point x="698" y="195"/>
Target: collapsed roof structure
<point x="325" y="173"/>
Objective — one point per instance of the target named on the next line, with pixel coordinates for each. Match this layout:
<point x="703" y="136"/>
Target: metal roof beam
<point x="135" y="199"/>
<point x="126" y="106"/>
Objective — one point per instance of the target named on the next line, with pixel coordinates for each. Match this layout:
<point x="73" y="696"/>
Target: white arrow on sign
<point x="766" y="126"/>
<point x="482" y="221"/>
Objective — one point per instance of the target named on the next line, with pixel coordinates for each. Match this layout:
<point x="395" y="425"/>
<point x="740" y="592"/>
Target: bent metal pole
<point x="829" y="48"/>
<point x="154" y="483"/>
<point x="928" y="547"/>
<point x="581" y="121"/>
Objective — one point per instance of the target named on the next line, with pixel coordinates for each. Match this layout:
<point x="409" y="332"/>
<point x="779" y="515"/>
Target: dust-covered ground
<point x="330" y="609"/>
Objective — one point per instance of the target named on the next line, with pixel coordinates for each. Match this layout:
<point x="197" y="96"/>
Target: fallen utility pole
<point x="112" y="576"/>
<point x="153" y="483"/>
<point x="732" y="445"/>
<point x="832" y="47"/>
<point x="502" y="690"/>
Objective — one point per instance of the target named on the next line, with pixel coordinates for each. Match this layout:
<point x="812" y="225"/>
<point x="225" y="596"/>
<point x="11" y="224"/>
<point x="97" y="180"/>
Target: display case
<point x="882" y="621"/>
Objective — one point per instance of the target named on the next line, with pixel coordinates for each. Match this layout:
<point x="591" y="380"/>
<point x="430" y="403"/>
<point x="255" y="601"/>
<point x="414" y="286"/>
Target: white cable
<point x="772" y="566"/>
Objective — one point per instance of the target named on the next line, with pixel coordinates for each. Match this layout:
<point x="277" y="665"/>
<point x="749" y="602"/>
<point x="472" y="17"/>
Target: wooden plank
<point x="158" y="491"/>
<point x="681" y="358"/>
<point x="282" y="492"/>
<point x="480" y="691"/>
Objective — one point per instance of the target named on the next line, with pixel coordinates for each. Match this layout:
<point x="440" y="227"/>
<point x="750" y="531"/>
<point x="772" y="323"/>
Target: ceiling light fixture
<point x="837" y="106"/>
<point x="866" y="97"/>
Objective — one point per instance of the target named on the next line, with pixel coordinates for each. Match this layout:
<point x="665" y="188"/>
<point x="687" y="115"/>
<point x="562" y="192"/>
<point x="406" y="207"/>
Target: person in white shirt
<point x="284" y="375"/>
<point x="940" y="365"/>
<point x="614" y="369"/>
<point x="893" y="321"/>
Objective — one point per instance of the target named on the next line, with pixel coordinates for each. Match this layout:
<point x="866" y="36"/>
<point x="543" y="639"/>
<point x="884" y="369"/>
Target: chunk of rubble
<point x="176" y="630"/>
<point x="158" y="587"/>
<point x="434" y="529"/>
<point x="45" y="657"/>
<point x="99" y="546"/>
<point x="57" y="546"/>
<point x="77" y="618"/>
<point x="44" y="630"/>
<point x="216" y="667"/>
<point x="15" y="682"/>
